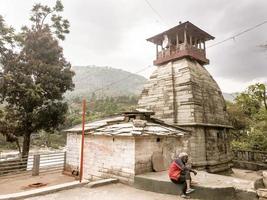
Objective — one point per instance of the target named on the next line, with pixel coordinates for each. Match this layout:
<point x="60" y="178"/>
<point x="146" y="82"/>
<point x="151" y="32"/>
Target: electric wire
<point x="120" y="80"/>
<point x="156" y="12"/>
<point x="238" y="34"/>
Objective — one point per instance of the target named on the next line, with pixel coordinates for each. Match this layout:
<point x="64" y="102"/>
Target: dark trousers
<point x="185" y="175"/>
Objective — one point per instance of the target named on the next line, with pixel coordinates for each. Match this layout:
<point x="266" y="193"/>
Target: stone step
<point x="103" y="182"/>
<point x="210" y="191"/>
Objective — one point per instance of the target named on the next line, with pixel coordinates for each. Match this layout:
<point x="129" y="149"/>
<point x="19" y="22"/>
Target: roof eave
<point x="156" y="37"/>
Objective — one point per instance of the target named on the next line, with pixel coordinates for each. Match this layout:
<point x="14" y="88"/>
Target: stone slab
<point x="262" y="193"/>
<point x="208" y="187"/>
<point x="103" y="182"/>
<point x="158" y="162"/>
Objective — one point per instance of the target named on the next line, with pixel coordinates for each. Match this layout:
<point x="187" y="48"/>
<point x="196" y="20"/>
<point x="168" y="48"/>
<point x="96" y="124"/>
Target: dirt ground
<point x="109" y="192"/>
<point x="20" y="183"/>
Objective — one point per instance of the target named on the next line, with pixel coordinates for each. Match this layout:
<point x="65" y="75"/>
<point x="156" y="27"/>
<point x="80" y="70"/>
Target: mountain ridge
<point x="105" y="81"/>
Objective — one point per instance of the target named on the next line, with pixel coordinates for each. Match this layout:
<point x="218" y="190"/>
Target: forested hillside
<point x="105" y="81"/>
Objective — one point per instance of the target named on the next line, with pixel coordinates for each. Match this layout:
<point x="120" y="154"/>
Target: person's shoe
<point x="188" y="191"/>
<point x="185" y="196"/>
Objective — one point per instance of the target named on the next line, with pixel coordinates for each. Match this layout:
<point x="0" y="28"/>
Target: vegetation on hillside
<point x="104" y="81"/>
<point x="34" y="75"/>
<point x="98" y="108"/>
<point x="249" y="117"/>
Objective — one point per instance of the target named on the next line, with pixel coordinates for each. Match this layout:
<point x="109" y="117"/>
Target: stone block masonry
<point x="183" y="93"/>
<point x="121" y="157"/>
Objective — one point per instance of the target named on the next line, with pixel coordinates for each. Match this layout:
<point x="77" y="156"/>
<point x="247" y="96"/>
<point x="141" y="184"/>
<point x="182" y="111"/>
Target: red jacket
<point x="174" y="171"/>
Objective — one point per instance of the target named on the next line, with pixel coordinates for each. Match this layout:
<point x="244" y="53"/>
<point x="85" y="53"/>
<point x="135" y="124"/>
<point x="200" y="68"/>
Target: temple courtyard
<point x="156" y="186"/>
<point x="109" y="192"/>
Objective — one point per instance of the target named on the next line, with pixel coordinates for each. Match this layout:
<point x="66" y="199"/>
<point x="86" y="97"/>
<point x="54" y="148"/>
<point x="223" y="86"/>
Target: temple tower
<point x="182" y="92"/>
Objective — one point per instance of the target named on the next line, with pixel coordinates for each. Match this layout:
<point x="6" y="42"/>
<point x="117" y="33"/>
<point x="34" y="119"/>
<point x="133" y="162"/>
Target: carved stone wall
<point x="183" y="93"/>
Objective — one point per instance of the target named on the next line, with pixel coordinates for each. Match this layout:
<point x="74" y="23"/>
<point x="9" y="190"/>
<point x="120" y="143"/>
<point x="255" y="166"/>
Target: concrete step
<point x="212" y="190"/>
<point x="102" y="182"/>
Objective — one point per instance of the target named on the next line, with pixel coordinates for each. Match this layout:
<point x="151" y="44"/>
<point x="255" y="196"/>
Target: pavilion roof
<point x="192" y="30"/>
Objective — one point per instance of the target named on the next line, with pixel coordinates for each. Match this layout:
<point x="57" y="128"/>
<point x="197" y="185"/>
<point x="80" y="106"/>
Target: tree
<point x="252" y="100"/>
<point x="259" y="92"/>
<point x="34" y="75"/>
<point x="249" y="118"/>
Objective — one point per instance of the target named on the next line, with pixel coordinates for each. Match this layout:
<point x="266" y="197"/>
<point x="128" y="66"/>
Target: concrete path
<point x="20" y="183"/>
<point x="109" y="192"/>
<point x="42" y="191"/>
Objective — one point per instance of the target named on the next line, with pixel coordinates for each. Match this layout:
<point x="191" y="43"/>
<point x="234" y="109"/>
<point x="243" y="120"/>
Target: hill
<point x="230" y="96"/>
<point x="116" y="82"/>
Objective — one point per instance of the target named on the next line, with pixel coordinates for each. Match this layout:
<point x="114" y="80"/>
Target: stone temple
<point x="181" y="108"/>
<point x="181" y="92"/>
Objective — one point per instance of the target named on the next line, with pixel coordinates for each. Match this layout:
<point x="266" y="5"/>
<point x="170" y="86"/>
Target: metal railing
<point x="33" y="164"/>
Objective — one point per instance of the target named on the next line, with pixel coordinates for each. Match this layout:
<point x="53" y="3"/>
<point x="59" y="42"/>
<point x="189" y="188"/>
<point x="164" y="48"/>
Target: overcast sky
<point x="113" y="32"/>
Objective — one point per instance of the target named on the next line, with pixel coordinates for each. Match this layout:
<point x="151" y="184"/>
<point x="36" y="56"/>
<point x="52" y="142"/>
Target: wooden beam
<point x="157" y="51"/>
<point x="204" y="48"/>
<point x="177" y="41"/>
<point x="185" y="39"/>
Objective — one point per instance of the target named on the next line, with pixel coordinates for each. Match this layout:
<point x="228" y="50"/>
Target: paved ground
<point x="109" y="192"/>
<point x="20" y="183"/>
<point x="246" y="174"/>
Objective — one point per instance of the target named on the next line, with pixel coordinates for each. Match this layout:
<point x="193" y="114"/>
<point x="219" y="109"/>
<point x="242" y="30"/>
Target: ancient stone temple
<point x="182" y="92"/>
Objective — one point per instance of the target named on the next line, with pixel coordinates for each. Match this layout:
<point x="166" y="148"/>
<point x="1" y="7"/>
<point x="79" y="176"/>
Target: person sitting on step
<point x="179" y="173"/>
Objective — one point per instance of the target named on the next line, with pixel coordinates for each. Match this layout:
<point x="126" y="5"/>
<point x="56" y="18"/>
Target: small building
<point x="123" y="146"/>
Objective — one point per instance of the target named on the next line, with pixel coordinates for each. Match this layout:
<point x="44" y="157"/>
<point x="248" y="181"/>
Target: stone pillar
<point x="36" y="165"/>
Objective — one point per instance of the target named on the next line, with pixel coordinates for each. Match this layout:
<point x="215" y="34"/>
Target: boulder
<point x="262" y="193"/>
<point x="264" y="174"/>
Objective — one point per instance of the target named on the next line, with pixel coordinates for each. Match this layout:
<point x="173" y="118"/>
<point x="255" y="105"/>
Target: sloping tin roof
<point x="96" y="124"/>
<point x="191" y="28"/>
<point x="116" y="126"/>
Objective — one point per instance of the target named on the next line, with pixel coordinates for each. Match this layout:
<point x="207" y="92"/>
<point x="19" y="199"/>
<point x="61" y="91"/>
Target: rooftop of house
<point x="137" y="123"/>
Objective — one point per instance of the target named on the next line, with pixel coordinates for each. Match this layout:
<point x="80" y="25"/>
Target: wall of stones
<point x="209" y="148"/>
<point x="110" y="157"/>
<point x="183" y="92"/>
<point x="197" y="147"/>
<point x="157" y="94"/>
<point x="73" y="145"/>
<point x="209" y="104"/>
<point x="146" y="146"/>
<point x="218" y="149"/>
<point x="104" y="156"/>
<point x="121" y="157"/>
